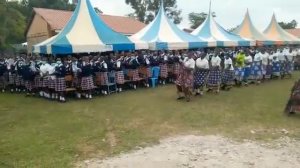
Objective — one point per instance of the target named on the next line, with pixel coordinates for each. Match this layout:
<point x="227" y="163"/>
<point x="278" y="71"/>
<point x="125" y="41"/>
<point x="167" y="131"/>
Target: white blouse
<point x="248" y="60"/>
<point x="216" y="61"/>
<point x="189" y="63"/>
<point x="202" y="63"/>
<point x="228" y="64"/>
<point x="257" y="57"/>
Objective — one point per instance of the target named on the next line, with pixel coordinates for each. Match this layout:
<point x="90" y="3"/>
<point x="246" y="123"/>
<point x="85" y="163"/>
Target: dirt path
<point x="207" y="151"/>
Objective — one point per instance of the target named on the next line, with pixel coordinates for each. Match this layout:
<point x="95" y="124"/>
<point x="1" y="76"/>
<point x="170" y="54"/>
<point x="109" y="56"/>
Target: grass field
<point x="38" y="133"/>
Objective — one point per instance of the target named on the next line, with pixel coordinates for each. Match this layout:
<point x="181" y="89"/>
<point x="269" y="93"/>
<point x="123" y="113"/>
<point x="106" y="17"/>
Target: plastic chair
<point x="111" y="82"/>
<point x="155" y="75"/>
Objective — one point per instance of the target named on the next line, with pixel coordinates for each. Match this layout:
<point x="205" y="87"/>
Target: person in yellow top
<point x="240" y="67"/>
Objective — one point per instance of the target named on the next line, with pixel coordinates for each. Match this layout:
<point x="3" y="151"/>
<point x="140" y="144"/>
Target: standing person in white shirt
<point x="269" y="65"/>
<point x="289" y="63"/>
<point x="257" y="67"/>
<point x="228" y="74"/>
<point x="282" y="61"/>
<point x="264" y="61"/>
<point x="214" y="78"/>
<point x="200" y="74"/>
<point x="188" y="77"/>
<point x="248" y="65"/>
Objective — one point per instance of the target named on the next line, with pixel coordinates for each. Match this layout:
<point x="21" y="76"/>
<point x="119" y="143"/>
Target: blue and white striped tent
<point x="163" y="34"/>
<point x="86" y="32"/>
<point x="217" y="36"/>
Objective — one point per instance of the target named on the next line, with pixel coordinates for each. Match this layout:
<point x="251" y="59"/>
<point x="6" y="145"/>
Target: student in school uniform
<point x="76" y="71"/>
<point x="120" y="79"/>
<point x="11" y="74"/>
<point x="276" y="66"/>
<point x="104" y="74"/>
<point x="176" y="62"/>
<point x="289" y="63"/>
<point x="28" y="77"/>
<point x="133" y="69"/>
<point x="163" y="64"/>
<point x="3" y="70"/>
<point x="264" y="63"/>
<point x="52" y="80"/>
<point x="228" y="74"/>
<point x="180" y="79"/>
<point x="170" y="63"/>
<point x="60" y="85"/>
<point x="248" y="67"/>
<point x="188" y="76"/>
<point x="144" y="68"/>
<point x="38" y="82"/>
<point x="19" y="70"/>
<point x="87" y="83"/>
<point x="201" y="73"/>
<point x="282" y="60"/>
<point x="257" y="67"/>
<point x="240" y="68"/>
<point x="268" y="75"/>
<point x="214" y="77"/>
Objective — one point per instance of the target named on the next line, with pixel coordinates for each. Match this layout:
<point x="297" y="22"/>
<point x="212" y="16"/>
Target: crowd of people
<point x="192" y="71"/>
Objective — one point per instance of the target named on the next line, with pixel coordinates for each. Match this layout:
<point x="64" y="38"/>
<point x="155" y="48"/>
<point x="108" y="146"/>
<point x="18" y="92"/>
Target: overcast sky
<point x="229" y="12"/>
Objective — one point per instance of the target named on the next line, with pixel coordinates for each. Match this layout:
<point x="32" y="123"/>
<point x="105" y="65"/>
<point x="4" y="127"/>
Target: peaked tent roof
<point x="162" y="34"/>
<point x="276" y="33"/>
<point x="247" y="30"/>
<point x="216" y="35"/>
<point x="57" y="20"/>
<point x="86" y="32"/>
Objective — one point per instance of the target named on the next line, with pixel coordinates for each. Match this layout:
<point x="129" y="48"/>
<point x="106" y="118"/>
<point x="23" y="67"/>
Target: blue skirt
<point x="276" y="69"/>
<point x="257" y="69"/>
<point x="247" y="73"/>
<point x="214" y="78"/>
<point x="239" y="73"/>
<point x="228" y="77"/>
<point x="200" y="77"/>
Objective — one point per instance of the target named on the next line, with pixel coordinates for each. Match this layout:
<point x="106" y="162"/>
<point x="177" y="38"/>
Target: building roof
<point x="57" y="19"/>
<point x="295" y="32"/>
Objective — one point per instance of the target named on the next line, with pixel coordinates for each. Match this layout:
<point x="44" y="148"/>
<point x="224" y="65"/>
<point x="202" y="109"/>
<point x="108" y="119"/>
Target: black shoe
<point x="180" y="98"/>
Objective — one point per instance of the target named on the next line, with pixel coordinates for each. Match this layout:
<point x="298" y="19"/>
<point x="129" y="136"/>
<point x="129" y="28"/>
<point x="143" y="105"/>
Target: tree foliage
<point x="146" y="10"/>
<point x="12" y="24"/>
<point x="196" y="19"/>
<point x="289" y="25"/>
<point x="14" y="16"/>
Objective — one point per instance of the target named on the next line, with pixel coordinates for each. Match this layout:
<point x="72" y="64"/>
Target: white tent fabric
<point x="277" y="34"/>
<point x="162" y="34"/>
<point x="217" y="36"/>
<point x="86" y="32"/>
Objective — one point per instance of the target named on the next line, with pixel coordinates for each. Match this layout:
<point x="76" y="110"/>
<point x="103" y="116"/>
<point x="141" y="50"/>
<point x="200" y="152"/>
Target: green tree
<point x="12" y="24"/>
<point x="289" y="25"/>
<point x="196" y="19"/>
<point x="14" y="14"/>
<point x="146" y="10"/>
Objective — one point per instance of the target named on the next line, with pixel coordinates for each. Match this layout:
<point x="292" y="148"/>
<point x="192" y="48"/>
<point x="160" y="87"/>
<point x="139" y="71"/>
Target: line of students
<point x="221" y="69"/>
<point x="190" y="70"/>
